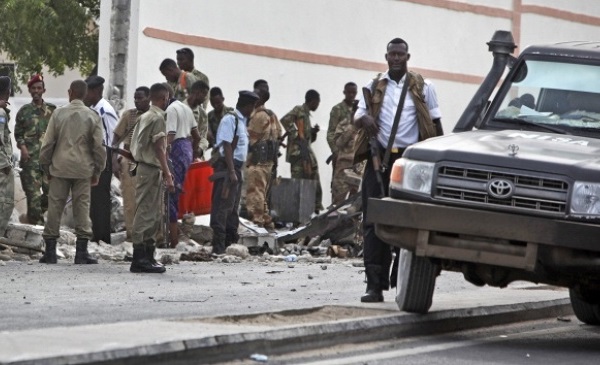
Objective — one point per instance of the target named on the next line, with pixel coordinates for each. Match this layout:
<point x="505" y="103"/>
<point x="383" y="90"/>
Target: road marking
<point x="433" y="348"/>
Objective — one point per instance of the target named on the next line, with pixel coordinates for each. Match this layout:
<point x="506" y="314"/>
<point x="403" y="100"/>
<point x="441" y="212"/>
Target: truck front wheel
<point x="586" y="312"/>
<point x="416" y="282"/>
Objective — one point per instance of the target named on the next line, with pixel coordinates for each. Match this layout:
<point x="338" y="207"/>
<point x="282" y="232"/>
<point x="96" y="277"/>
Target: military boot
<point x="218" y="244"/>
<point x="150" y="250"/>
<point x="374" y="292"/>
<point x="50" y="253"/>
<point x="141" y="263"/>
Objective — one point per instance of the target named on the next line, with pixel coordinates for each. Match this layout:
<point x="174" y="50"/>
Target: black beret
<point x="248" y="95"/>
<point x="94" y="81"/>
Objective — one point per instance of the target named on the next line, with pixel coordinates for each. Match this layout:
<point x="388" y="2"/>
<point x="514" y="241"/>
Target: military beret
<point x="35" y="78"/>
<point x="4" y="83"/>
<point x="248" y="95"/>
<point x="94" y="81"/>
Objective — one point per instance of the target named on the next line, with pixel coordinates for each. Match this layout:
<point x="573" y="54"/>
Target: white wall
<point x="443" y="41"/>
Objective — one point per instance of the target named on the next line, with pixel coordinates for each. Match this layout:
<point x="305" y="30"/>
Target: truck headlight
<point x="585" y="199"/>
<point x="410" y="175"/>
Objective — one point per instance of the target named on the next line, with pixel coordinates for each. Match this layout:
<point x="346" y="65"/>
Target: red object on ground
<point x="197" y="190"/>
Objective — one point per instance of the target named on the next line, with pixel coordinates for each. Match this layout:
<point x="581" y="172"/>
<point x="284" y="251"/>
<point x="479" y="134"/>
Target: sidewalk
<point x="457" y="305"/>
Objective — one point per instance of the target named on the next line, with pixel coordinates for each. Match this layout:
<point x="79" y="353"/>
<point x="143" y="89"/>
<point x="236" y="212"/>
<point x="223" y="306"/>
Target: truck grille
<point x="530" y="193"/>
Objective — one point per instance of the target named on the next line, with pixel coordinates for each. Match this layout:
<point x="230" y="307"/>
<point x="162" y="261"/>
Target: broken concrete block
<point x="238" y="250"/>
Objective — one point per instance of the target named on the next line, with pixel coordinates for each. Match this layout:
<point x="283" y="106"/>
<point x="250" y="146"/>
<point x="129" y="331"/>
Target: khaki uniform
<point x="264" y="133"/>
<point x="301" y="114"/>
<point x="126" y="124"/>
<point x="202" y="121"/>
<point x="30" y="126"/>
<point x="183" y="87"/>
<point x="344" y="141"/>
<point x="71" y="154"/>
<point x="7" y="181"/>
<point x="214" y="119"/>
<point x="150" y="128"/>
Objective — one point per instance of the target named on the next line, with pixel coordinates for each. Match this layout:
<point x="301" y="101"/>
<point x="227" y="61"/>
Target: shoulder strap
<point x="388" y="150"/>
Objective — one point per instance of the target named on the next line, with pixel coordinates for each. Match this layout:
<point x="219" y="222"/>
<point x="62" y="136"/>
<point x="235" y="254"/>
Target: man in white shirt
<point x="182" y="135"/>
<point x="100" y="204"/>
<point x="419" y="120"/>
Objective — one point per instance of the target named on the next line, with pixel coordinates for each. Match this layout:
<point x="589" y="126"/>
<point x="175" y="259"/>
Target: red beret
<point x="35" y="78"/>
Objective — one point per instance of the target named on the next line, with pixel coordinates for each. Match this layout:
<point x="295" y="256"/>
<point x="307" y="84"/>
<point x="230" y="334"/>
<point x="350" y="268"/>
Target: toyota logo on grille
<point x="501" y="188"/>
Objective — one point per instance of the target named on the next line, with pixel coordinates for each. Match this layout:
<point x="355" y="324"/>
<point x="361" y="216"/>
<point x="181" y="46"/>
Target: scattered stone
<point x="310" y="277"/>
<point x="323" y="267"/>
<point x="238" y="250"/>
<point x="315" y="241"/>
<point x="201" y="256"/>
<point x="168" y="259"/>
<point x="228" y="259"/>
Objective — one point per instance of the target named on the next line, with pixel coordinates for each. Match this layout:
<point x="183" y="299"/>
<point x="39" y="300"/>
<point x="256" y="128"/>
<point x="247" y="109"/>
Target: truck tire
<point x="416" y="282"/>
<point x="588" y="313"/>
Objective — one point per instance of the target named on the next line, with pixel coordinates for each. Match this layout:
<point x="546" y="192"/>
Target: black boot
<point x="150" y="249"/>
<point x="50" y="254"/>
<point x="218" y="244"/>
<point x="142" y="264"/>
<point x="82" y="256"/>
<point x="374" y="292"/>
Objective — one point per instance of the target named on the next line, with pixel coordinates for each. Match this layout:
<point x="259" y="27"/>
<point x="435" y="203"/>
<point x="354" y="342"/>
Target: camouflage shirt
<point x="5" y="143"/>
<point x="214" y="119"/>
<point x="202" y="122"/>
<point x="183" y="86"/>
<point x="299" y="115"/>
<point x="338" y="113"/>
<point x="201" y="77"/>
<point x="126" y="124"/>
<point x="30" y="126"/>
<point x="343" y="138"/>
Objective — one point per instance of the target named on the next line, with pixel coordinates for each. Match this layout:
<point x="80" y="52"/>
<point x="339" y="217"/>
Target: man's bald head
<point x="78" y="89"/>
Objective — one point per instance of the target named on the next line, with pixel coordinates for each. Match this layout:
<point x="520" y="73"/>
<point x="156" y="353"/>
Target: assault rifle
<point x="224" y="174"/>
<point x="120" y="151"/>
<point x="373" y="144"/>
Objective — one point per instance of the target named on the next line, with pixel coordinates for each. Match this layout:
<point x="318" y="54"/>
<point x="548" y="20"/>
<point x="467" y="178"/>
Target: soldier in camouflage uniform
<point x="30" y="127"/>
<point x="344" y="140"/>
<point x="341" y="112"/>
<point x="194" y="101"/>
<point x="122" y="134"/>
<point x="302" y="159"/>
<point x="215" y="115"/>
<point x="7" y="177"/>
<point x="180" y="81"/>
<point x="264" y="133"/>
<point x="185" y="61"/>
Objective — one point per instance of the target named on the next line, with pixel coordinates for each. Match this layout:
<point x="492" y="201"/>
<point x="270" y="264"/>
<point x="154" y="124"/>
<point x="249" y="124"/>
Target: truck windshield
<point x="565" y="95"/>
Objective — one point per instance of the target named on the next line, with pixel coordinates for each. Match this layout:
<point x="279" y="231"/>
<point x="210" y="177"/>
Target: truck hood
<point x="525" y="150"/>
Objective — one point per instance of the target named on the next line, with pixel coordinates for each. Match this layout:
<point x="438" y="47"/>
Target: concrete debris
<point x="201" y="256"/>
<point x="238" y="250"/>
<point x="229" y="259"/>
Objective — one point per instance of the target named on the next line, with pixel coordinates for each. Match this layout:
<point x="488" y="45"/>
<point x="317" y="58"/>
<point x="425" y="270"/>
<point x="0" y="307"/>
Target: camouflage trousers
<point x="297" y="172"/>
<point x="7" y="199"/>
<point x="339" y="184"/>
<point x="128" y="193"/>
<point x="258" y="180"/>
<point x="35" y="187"/>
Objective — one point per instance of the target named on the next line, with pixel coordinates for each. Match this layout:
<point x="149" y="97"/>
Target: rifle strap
<point x="388" y="150"/>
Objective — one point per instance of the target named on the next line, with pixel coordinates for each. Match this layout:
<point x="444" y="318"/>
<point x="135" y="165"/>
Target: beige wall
<point x="301" y="44"/>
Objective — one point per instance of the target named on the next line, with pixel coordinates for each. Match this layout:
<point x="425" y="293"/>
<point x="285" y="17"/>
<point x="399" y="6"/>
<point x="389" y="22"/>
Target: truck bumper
<point x="477" y="236"/>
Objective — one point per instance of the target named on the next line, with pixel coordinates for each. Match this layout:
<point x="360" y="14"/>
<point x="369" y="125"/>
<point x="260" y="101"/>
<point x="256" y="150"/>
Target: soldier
<point x="232" y="146"/>
<point x="100" y="205"/>
<point x="344" y="144"/>
<point x="185" y="61"/>
<point x="340" y="112"/>
<point x="122" y="134"/>
<point x="30" y="127"/>
<point x="264" y="134"/>
<point x="72" y="156"/>
<point x="214" y="116"/>
<point x="7" y="178"/>
<point x="303" y="162"/>
<point x="180" y="81"/>
<point x="148" y="147"/>
<point x="194" y="101"/>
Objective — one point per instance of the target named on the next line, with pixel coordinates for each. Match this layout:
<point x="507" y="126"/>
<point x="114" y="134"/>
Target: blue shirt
<point x="225" y="133"/>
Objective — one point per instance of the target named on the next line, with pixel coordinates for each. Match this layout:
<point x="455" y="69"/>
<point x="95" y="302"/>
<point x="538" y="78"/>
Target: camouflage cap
<point x="35" y="78"/>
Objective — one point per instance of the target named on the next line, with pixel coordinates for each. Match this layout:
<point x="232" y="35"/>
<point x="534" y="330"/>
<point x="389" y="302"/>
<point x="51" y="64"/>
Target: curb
<point x="219" y="348"/>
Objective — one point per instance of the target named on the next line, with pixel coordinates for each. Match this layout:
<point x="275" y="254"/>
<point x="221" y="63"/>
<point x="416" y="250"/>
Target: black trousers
<point x="224" y="216"/>
<point x="375" y="251"/>
<point x="100" y="204"/>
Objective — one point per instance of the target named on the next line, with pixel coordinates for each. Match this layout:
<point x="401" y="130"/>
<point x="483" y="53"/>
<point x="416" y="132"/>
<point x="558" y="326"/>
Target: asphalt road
<point x="34" y="295"/>
<point x="552" y="341"/>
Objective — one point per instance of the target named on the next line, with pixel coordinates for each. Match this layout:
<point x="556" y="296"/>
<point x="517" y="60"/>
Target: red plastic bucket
<point x="197" y="190"/>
